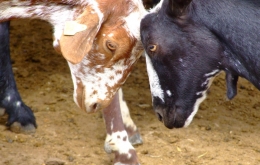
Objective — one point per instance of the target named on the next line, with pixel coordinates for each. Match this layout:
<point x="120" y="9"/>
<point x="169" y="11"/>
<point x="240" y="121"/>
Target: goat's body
<point x="236" y="25"/>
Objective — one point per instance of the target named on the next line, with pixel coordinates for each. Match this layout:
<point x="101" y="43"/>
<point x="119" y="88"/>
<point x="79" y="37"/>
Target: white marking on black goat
<point x="155" y="86"/>
<point x="195" y="108"/>
<point x="8" y="98"/>
<point x="213" y="73"/>
<point x="18" y="103"/>
<point x="203" y="95"/>
<point x="169" y="93"/>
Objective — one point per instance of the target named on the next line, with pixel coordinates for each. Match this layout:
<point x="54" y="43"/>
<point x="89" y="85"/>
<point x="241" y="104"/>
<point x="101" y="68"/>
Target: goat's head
<point x="103" y="50"/>
<point x="182" y="59"/>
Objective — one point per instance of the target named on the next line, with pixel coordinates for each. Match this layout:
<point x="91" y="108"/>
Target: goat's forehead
<point x="116" y="32"/>
<point x="151" y="27"/>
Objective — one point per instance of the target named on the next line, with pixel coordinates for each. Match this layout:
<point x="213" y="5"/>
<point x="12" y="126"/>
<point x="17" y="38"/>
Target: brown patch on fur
<point x="111" y="77"/>
<point x="118" y="72"/>
<point x="94" y="92"/>
<point x="123" y="158"/>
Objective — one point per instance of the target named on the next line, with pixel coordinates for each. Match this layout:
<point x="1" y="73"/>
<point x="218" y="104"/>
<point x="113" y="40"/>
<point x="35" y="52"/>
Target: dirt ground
<point x="223" y="132"/>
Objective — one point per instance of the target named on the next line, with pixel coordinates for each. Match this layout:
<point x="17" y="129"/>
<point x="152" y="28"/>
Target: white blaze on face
<point x="155" y="86"/>
<point x="203" y="94"/>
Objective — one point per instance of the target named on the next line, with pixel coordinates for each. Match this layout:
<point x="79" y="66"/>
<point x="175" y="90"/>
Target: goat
<point x="101" y="42"/>
<point x="189" y="42"/>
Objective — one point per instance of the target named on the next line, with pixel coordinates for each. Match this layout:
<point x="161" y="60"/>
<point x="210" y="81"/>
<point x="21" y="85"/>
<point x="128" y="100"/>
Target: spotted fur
<point x="100" y="57"/>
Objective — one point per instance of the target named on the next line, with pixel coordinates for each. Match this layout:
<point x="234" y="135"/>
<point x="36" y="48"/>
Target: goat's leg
<point x="117" y="141"/>
<point x="20" y="116"/>
<point x="130" y="127"/>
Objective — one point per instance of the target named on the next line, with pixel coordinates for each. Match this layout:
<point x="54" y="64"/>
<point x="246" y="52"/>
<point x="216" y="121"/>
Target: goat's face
<point x="115" y="47"/>
<point x="98" y="76"/>
<point x="181" y="59"/>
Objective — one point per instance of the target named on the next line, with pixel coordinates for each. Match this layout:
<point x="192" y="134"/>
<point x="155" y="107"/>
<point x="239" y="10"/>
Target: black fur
<point x="198" y="38"/>
<point x="10" y="98"/>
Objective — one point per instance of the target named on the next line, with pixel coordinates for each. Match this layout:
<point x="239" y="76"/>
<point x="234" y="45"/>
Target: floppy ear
<point x="175" y="8"/>
<point x="78" y="36"/>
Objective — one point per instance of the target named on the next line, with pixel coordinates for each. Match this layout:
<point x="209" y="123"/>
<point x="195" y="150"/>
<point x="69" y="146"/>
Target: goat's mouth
<point x="163" y="116"/>
<point x="171" y="118"/>
<point x="90" y="107"/>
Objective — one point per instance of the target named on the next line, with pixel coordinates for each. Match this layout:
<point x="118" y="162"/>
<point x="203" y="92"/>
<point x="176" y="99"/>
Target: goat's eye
<point x="110" y="45"/>
<point x="152" y="48"/>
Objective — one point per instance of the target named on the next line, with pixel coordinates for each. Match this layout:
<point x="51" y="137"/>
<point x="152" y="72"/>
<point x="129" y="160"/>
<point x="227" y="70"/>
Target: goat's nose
<point x="159" y="114"/>
<point x="86" y="104"/>
<point x="93" y="107"/>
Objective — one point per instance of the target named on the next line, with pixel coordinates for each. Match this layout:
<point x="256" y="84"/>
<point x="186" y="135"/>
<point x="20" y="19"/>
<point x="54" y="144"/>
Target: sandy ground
<point x="223" y="132"/>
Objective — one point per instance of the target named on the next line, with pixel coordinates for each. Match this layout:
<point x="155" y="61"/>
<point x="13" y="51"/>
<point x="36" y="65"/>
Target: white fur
<point x="118" y="144"/>
<point x="169" y="93"/>
<point x="195" y="108"/>
<point x="18" y="103"/>
<point x="133" y="20"/>
<point x="203" y="94"/>
<point x="157" y="7"/>
<point x="155" y="86"/>
<point x="127" y="120"/>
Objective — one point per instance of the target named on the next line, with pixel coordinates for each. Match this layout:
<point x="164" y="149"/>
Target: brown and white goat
<point x="100" y="40"/>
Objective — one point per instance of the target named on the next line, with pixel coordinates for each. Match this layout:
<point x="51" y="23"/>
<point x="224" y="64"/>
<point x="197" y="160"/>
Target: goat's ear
<point x="78" y="36"/>
<point x="175" y="8"/>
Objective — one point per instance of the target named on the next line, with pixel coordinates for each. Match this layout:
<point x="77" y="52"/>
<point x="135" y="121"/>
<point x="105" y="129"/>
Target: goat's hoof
<point x="136" y="139"/>
<point x="107" y="148"/>
<point x="2" y="111"/>
<point x="118" y="163"/>
<point x="18" y="128"/>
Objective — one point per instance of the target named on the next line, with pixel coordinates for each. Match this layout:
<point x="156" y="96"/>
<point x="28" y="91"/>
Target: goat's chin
<point x="169" y="124"/>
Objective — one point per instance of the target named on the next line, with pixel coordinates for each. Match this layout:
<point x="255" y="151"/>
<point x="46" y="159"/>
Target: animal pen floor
<point x="223" y="132"/>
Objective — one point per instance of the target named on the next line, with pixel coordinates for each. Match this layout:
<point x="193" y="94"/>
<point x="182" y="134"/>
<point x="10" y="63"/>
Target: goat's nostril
<point x="95" y="107"/>
<point x="159" y="116"/>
